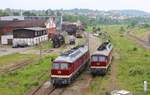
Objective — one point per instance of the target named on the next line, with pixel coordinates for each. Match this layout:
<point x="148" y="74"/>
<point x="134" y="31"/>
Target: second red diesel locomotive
<point x="101" y="59"/>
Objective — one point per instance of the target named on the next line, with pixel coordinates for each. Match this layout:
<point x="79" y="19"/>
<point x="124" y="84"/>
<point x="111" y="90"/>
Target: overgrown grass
<point x="44" y="45"/>
<point x="22" y="80"/>
<point x="15" y="58"/>
<point x="133" y="64"/>
<point x="89" y="29"/>
<point x="141" y="32"/>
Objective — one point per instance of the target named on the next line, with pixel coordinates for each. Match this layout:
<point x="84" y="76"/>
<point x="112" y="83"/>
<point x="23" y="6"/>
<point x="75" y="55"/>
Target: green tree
<point x="70" y="18"/>
<point x="3" y="13"/>
<point x="98" y="29"/>
<point x="94" y="29"/>
<point x="122" y="29"/>
<point x="133" y="23"/>
<point x="28" y="13"/>
<point x="146" y="25"/>
<point x="16" y="13"/>
<point x="49" y="12"/>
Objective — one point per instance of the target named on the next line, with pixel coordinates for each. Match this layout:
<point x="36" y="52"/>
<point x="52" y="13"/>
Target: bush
<point x="53" y="56"/>
<point x="136" y="71"/>
<point x="27" y="85"/>
<point x="13" y="73"/>
<point x="135" y="49"/>
<point x="35" y="83"/>
<point x="107" y="93"/>
<point x="146" y="55"/>
<point x="121" y="35"/>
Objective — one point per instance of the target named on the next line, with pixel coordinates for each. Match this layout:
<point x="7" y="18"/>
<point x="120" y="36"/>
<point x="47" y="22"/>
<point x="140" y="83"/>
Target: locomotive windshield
<point x="102" y="58"/>
<point x="94" y="58"/>
<point x="98" y="58"/>
<point x="56" y="66"/>
<point x="61" y="66"/>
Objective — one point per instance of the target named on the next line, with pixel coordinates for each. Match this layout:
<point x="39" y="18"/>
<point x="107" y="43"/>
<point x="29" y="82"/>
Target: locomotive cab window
<point x="56" y="66"/>
<point x="99" y="58"/>
<point x="102" y="58"/>
<point x="64" y="66"/>
<point x="94" y="58"/>
<point x="61" y="66"/>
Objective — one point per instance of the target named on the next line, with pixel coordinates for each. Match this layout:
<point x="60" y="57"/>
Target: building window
<point x="44" y="32"/>
<point x="36" y="33"/>
<point x="39" y="33"/>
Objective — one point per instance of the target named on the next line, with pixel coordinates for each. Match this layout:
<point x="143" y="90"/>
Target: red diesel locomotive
<point x="101" y="59"/>
<point x="67" y="66"/>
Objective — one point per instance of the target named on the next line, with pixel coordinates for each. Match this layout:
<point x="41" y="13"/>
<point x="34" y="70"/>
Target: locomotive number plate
<point x="59" y="72"/>
<point x="97" y="63"/>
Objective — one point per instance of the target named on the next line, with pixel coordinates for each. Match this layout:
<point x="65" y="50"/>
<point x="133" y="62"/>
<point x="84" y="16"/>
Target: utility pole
<point x="40" y="50"/>
<point x="61" y="19"/>
<point x="149" y="38"/>
<point x="88" y="41"/>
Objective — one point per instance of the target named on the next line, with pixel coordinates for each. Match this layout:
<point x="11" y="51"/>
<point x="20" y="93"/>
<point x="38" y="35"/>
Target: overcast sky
<point x="70" y="4"/>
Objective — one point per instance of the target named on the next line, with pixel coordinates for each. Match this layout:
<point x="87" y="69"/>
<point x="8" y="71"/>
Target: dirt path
<point x="94" y="42"/>
<point x="112" y="83"/>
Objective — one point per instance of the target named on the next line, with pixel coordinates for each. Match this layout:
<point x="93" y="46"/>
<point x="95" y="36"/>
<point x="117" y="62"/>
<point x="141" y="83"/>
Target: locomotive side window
<point x="94" y="58"/>
<point x="64" y="66"/>
<point x="56" y="66"/>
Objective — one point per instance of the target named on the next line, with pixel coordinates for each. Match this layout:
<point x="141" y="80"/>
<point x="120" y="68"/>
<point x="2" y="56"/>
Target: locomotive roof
<point x="71" y="55"/>
<point x="103" y="52"/>
<point x="104" y="49"/>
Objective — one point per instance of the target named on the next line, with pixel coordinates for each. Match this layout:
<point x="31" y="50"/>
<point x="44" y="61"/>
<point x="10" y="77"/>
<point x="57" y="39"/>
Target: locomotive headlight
<point x="97" y="63"/>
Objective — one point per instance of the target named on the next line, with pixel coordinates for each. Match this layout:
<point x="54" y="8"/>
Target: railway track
<point x="46" y="88"/>
<point x="23" y="63"/>
<point x="50" y="90"/>
<point x="57" y="91"/>
<point x="16" y="66"/>
<point x="144" y="43"/>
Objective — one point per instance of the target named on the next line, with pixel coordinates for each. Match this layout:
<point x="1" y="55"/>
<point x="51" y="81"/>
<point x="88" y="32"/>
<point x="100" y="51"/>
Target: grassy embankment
<point x="141" y="32"/>
<point x="22" y="80"/>
<point x="12" y="59"/>
<point x="44" y="46"/>
<point x="133" y="65"/>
